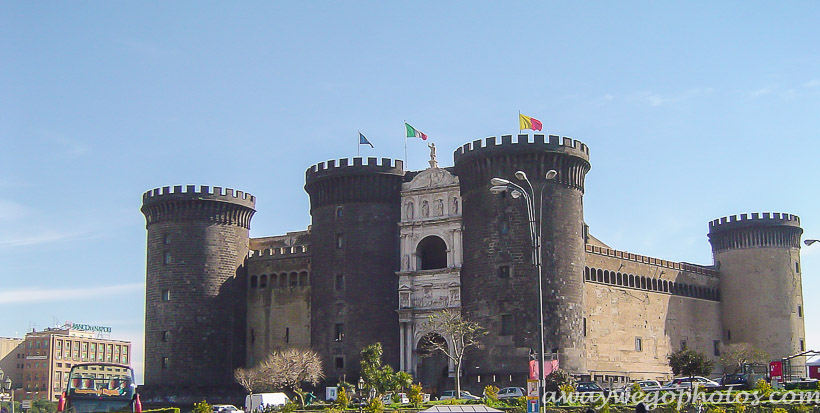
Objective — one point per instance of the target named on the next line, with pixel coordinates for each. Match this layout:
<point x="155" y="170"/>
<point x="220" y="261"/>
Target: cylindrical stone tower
<point x="195" y="297"/>
<point x="355" y="211"/>
<point x="761" y="293"/>
<point x="498" y="281"/>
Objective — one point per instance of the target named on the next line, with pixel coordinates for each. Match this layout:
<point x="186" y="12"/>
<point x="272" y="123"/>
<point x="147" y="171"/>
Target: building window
<point x="339" y="362"/>
<point x="340" y="241"/>
<point x="802" y="345"/>
<point x="683" y="344"/>
<point x="585" y="326"/>
<point x="263" y="281"/>
<point x="728" y="335"/>
<point x="507" y="324"/>
<point x="716" y="347"/>
<point x="253" y="336"/>
<point x="339" y="211"/>
<point x="503" y="271"/>
<point x="638" y="344"/>
<point x="340" y="282"/>
<point x="166" y="362"/>
<point x="339" y="332"/>
<point x="799" y="310"/>
<point x="287" y="334"/>
<point x="166" y="295"/>
<point x="303" y="279"/>
<point x="797" y="267"/>
<point x="166" y="239"/>
<point x="166" y="258"/>
<point x="254" y="281"/>
<point x="166" y="336"/>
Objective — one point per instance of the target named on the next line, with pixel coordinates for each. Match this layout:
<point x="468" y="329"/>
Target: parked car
<point x="737" y="381"/>
<point x="450" y="394"/>
<point x="225" y="408"/>
<point x="682" y="383"/>
<point x="511" y="393"/>
<point x="646" y="386"/>
<point x="588" y="387"/>
<point x="402" y="397"/>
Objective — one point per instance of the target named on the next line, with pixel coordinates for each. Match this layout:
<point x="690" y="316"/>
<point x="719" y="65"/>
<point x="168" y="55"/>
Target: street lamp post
<point x="503" y="185"/>
<point x="808" y="242"/>
<point x="360" y="386"/>
<point x="5" y="387"/>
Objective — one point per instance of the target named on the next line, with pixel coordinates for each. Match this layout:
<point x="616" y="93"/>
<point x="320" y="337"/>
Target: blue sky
<point x="692" y="111"/>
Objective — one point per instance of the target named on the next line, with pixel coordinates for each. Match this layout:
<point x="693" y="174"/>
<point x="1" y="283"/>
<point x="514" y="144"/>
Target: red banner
<point x="776" y="370"/>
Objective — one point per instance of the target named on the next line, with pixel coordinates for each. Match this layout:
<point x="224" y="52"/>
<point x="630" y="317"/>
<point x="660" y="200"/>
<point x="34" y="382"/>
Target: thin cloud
<point x="812" y="83"/>
<point x="656" y="99"/>
<point x="35" y="295"/>
<point x="762" y="91"/>
<point x="10" y="211"/>
<point x="46" y="237"/>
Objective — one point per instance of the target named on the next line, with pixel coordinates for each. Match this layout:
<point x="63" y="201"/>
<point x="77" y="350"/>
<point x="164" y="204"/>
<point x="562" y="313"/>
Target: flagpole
<point x="359" y="146"/>
<point x="519" y="125"/>
<point x="406" y="165"/>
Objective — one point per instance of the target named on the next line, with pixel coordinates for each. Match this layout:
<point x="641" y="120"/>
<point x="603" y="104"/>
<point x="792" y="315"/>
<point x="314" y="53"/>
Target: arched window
<point x="283" y="280"/>
<point x="655" y="284"/>
<point x="600" y="275"/>
<point x="606" y="276"/>
<point x="631" y="280"/>
<point x="619" y="280"/>
<point x="432" y="253"/>
<point x="643" y="282"/>
<point x="263" y="281"/>
<point x="254" y="280"/>
<point x="303" y="279"/>
<point x="586" y="273"/>
<point x="294" y="279"/>
<point x="665" y="286"/>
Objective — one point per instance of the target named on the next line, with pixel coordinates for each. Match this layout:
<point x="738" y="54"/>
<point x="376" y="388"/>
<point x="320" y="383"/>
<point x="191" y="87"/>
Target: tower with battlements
<point x="758" y="256"/>
<point x="355" y="210"/>
<point x="195" y="285"/>
<point x="499" y="282"/>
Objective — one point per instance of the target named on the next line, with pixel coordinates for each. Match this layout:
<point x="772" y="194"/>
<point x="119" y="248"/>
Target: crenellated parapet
<point x="186" y="203"/>
<point x="569" y="157"/>
<point x="354" y="180"/>
<point x="282" y="252"/>
<point x="628" y="256"/>
<point x="551" y="143"/>
<point x="767" y="229"/>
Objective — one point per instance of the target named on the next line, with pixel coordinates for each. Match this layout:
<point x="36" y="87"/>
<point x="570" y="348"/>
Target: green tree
<point x="380" y="377"/>
<point x="460" y="335"/>
<point x="556" y="379"/>
<point x="688" y="362"/>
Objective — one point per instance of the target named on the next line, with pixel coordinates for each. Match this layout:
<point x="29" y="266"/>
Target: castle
<point x="388" y="247"/>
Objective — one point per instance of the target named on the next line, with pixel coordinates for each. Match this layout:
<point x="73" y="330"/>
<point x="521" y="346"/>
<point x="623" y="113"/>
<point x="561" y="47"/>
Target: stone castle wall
<point x="654" y="303"/>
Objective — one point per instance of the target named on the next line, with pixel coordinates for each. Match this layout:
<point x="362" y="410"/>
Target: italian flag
<point x="413" y="133"/>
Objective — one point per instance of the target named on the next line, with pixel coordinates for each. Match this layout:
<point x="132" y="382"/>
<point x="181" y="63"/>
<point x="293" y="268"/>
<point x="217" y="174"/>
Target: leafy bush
<point x="567" y="388"/>
<point x="779" y="410"/>
<point x="555" y="379"/>
<point x="202" y="407"/>
<point x="375" y="405"/>
<point x="715" y="409"/>
<point x="415" y="396"/>
<point x="764" y="388"/>
<point x="491" y="392"/>
<point x="342" y="399"/>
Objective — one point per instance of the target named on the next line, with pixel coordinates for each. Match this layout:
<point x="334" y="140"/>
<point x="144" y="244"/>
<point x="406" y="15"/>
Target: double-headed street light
<point x="516" y="191"/>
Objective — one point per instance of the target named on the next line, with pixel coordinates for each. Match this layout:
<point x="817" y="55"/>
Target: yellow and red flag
<point x="526" y="122"/>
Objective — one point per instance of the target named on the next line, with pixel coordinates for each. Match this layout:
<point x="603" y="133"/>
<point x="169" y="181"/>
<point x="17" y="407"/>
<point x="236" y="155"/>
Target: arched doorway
<point x="433" y="365"/>
<point x="432" y="253"/>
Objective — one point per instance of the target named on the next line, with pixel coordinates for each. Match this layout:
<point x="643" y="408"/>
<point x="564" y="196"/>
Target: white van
<point x="255" y="402"/>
